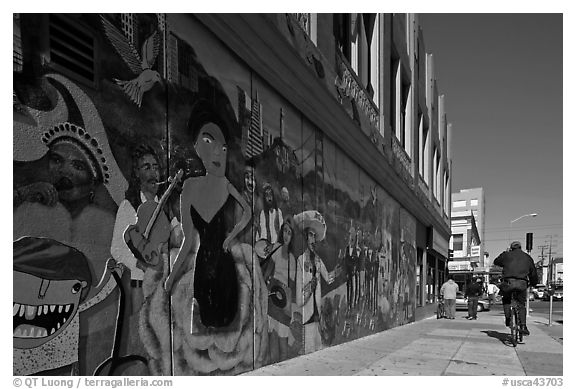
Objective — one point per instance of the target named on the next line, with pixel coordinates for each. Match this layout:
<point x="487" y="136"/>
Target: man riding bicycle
<point x="518" y="271"/>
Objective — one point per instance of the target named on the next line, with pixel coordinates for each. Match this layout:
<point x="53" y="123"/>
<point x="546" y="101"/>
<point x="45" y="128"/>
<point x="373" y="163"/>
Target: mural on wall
<point x="215" y="228"/>
<point x="408" y="266"/>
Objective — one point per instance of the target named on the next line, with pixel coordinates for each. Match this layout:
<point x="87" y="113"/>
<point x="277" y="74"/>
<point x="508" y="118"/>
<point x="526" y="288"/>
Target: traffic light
<point x="529" y="241"/>
<point x="450" y="254"/>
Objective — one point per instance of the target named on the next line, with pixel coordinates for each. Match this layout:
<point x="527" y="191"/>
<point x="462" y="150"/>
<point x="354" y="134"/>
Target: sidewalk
<point x="434" y="347"/>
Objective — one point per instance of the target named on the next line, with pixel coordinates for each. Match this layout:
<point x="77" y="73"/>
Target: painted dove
<point x="140" y="66"/>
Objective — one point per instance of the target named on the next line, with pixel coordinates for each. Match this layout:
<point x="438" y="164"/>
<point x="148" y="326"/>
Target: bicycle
<point x="440" y="310"/>
<point x="515" y="330"/>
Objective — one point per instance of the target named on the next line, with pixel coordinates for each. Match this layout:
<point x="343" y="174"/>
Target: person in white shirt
<point x="492" y="293"/>
<point x="448" y="291"/>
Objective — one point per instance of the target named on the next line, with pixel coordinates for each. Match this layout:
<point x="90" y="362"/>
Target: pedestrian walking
<point x="448" y="292"/>
<point x="473" y="293"/>
<point x="492" y="293"/>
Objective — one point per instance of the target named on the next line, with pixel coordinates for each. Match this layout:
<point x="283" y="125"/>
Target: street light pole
<point x="515" y="220"/>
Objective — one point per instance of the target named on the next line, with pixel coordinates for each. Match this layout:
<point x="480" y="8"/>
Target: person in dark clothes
<point x="473" y="293"/>
<point x="518" y="272"/>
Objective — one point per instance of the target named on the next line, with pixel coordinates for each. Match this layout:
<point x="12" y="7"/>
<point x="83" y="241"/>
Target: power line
<point x="534" y="227"/>
<point x="540" y="237"/>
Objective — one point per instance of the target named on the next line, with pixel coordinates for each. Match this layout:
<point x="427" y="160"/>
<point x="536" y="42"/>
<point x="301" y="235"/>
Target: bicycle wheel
<point x="518" y="330"/>
<point x="513" y="328"/>
<point x="519" y="334"/>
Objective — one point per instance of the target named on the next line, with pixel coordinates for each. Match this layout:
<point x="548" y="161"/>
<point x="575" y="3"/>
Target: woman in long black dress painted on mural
<point x="203" y="204"/>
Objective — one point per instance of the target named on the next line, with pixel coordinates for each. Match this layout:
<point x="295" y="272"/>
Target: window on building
<point x="423" y="140"/>
<point x="435" y="159"/>
<point x="446" y="193"/>
<point x="72" y="48"/>
<point x="458" y="242"/>
<point x="374" y="82"/>
<point x="357" y="38"/>
<point x="394" y="101"/>
<point x="459" y="204"/>
<point x="341" y="31"/>
<point x="401" y="92"/>
<point x="427" y="154"/>
<point x="437" y="176"/>
<point x="309" y="23"/>
<point x="17" y="57"/>
<point x="314" y="28"/>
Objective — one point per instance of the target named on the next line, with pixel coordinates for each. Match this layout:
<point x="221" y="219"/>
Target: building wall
<point x="91" y="91"/>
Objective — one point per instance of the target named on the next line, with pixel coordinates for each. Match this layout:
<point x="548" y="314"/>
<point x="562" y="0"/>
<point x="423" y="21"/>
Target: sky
<point x="502" y="77"/>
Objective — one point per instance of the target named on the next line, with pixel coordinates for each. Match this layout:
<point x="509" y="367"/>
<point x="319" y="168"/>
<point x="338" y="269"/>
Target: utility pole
<point x="549" y="286"/>
<point x="541" y="279"/>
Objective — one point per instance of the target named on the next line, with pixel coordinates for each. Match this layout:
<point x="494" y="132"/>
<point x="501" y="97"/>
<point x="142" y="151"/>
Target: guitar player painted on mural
<point x="142" y="187"/>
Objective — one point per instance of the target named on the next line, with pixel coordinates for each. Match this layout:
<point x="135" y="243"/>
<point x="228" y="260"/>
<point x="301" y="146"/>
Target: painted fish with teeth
<point x="51" y="280"/>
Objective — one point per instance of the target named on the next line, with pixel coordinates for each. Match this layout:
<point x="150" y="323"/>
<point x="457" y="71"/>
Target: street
<point x="541" y="308"/>
<point x="540" y="311"/>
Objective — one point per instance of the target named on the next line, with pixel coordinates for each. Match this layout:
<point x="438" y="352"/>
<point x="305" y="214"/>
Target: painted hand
<point x="112" y="265"/>
<point x="226" y="244"/>
<point x="142" y="249"/>
<point x="39" y="192"/>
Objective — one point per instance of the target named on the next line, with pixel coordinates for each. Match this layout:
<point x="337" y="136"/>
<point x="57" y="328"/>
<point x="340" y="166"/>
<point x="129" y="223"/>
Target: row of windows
<point x="462" y="203"/>
<point x="357" y="37"/>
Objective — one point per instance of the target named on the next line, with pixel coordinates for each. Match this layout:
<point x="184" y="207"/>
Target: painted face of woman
<point x="70" y="172"/>
<point x="212" y="149"/>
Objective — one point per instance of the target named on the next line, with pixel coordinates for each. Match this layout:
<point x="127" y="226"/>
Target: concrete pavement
<point x="434" y="347"/>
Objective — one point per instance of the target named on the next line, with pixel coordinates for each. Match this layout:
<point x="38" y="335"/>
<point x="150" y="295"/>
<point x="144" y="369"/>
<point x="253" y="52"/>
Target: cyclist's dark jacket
<point x="517" y="264"/>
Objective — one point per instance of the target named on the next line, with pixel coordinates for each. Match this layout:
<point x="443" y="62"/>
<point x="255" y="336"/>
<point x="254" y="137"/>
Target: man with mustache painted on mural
<point x="142" y="187"/>
<point x="310" y="267"/>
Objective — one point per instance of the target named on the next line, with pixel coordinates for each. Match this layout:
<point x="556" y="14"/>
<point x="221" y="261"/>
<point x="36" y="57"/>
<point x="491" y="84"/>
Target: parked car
<point x="538" y="291"/>
<point x="557" y="296"/>
<point x="462" y="303"/>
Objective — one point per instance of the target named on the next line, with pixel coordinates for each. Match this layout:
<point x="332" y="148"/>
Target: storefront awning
<point x="460" y="266"/>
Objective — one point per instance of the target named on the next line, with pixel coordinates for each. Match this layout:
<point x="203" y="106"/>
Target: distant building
<point x="466" y="203"/>
<point x="551" y="271"/>
<point x="465" y="244"/>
